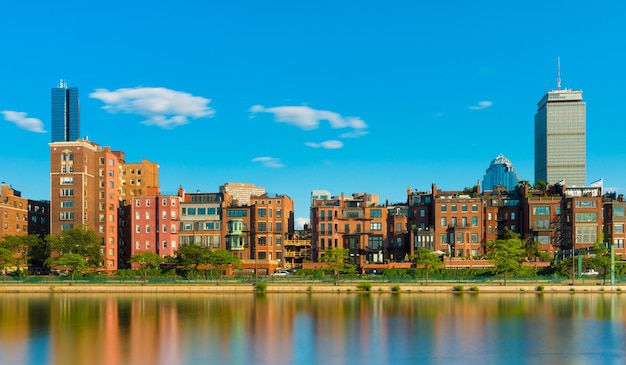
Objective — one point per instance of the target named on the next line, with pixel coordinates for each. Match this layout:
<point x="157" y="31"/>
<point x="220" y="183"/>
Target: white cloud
<point x="481" y="105"/>
<point x="308" y="118"/>
<point x="353" y="134"/>
<point x="20" y="119"/>
<point x="269" y="161"/>
<point x="299" y="222"/>
<point x="162" y="107"/>
<point x="330" y="145"/>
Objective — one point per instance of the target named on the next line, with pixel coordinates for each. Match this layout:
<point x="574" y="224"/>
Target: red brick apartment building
<point x="150" y="223"/>
<point x="357" y="223"/>
<point x="86" y="183"/>
<point x="614" y="222"/>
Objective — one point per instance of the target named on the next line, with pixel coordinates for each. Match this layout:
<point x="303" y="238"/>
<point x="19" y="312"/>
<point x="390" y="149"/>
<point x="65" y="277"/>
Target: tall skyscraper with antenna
<point x="560" y="136"/>
<point x="65" y="116"/>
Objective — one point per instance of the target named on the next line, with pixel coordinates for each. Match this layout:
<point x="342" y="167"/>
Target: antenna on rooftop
<point x="558" y="73"/>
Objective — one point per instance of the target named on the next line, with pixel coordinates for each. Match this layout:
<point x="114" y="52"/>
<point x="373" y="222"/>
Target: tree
<point x="6" y="258"/>
<point x="146" y="260"/>
<point x="81" y="240"/>
<point x="507" y="255"/>
<point x="25" y="249"/>
<point x="192" y="256"/>
<point x="73" y="262"/>
<point x="221" y="259"/>
<point x="335" y="259"/>
<point x="427" y="258"/>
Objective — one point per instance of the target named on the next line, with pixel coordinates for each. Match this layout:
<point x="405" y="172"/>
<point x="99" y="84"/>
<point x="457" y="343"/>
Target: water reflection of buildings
<point x="280" y="329"/>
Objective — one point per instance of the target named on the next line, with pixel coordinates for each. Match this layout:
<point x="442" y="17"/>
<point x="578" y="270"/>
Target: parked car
<point x="590" y="272"/>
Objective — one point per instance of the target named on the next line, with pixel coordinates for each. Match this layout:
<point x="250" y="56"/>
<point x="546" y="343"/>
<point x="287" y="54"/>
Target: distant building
<point x="500" y="173"/>
<point x="320" y="195"/>
<point x="560" y="138"/>
<point x="65" y="116"/>
<point x="241" y="192"/>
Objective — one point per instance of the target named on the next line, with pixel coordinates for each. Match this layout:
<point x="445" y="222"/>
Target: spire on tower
<point x="558" y="73"/>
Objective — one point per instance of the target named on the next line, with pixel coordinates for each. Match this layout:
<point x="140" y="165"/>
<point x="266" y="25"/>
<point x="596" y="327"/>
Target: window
<point x="618" y="228"/>
<point x="489" y="216"/>
<point x="474" y="238"/>
<point x="138" y="228"/>
<point x="618" y="243"/>
<point x="173" y="228"/>
<point x="586" y="217"/>
<point x="398" y="227"/>
<point x="543" y="240"/>
<point x="454" y="207"/>
<point x="376" y="226"/>
<point x="137" y="202"/>
<point x="201" y="211"/>
<point x="541" y="210"/>
<point x="375" y="213"/>
<point x="444" y="221"/>
<point x="279" y="226"/>
<point x="459" y="237"/>
<point x="422" y="213"/>
<point x="512" y="216"/>
<point x="67" y="180"/>
<point x="474" y="207"/>
<point x="147" y="202"/>
<point x="67" y="192"/>
<point x="262" y="226"/>
<point x="375" y="242"/>
<point x="453" y="221"/>
<point x="443" y="207"/>
<point x="147" y="215"/>
<point x="464" y="222"/>
<point x="474" y="221"/>
<point x="444" y="238"/>
<point x="586" y="234"/>
<point x="147" y="228"/>
<point x="278" y="240"/>
<point x="236" y="213"/>
<point x="164" y="228"/>
<point x="164" y="202"/>
<point x="262" y="255"/>
<point x="618" y="211"/>
<point x="216" y="241"/>
<point x="67" y="204"/>
<point x="490" y="229"/>
<point x="464" y="208"/>
<point x="67" y="216"/>
<point x="278" y="213"/>
<point x="262" y="241"/>
<point x="586" y="204"/>
<point x="262" y="212"/>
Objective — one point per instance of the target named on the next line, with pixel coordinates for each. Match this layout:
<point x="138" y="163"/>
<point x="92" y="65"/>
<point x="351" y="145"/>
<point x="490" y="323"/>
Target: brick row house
<point x="462" y="223"/>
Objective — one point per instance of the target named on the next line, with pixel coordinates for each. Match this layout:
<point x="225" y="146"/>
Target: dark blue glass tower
<point x="65" y="113"/>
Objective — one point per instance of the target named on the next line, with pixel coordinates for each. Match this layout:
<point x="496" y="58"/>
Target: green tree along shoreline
<point x="78" y="253"/>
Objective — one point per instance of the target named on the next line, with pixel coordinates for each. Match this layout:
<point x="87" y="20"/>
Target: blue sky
<point x="346" y="96"/>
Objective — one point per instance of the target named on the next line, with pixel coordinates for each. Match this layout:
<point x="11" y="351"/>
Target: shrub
<point x="260" y="287"/>
<point x="395" y="288"/>
<point x="458" y="288"/>
<point x="474" y="289"/>
<point x="539" y="288"/>
<point x="364" y="286"/>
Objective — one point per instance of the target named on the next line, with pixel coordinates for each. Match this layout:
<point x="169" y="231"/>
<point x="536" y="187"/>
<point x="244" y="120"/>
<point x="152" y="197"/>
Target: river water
<point x="275" y="329"/>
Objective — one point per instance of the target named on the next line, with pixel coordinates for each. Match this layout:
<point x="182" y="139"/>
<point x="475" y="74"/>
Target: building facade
<point x="560" y="138"/>
<point x="65" y="107"/>
<point x="13" y="212"/>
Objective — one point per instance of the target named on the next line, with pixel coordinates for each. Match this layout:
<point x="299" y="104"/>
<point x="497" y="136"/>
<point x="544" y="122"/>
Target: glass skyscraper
<point x="560" y="138"/>
<point x="65" y="113"/>
<point x="500" y="173"/>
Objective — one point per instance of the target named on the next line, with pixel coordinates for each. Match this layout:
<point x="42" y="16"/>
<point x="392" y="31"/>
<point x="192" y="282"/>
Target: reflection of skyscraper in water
<point x="65" y="113"/>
